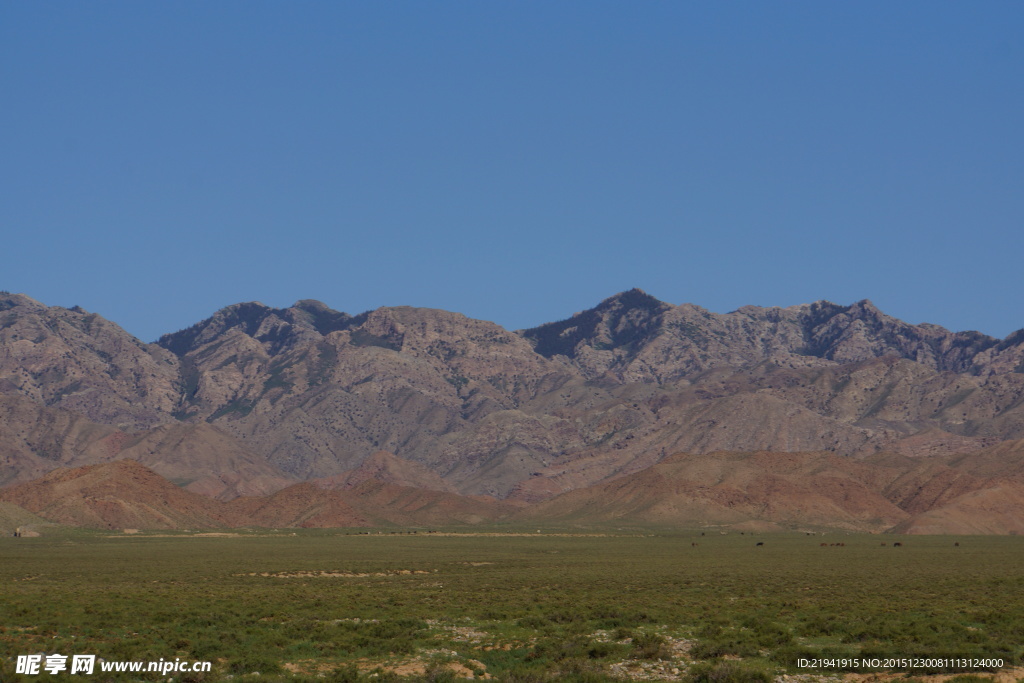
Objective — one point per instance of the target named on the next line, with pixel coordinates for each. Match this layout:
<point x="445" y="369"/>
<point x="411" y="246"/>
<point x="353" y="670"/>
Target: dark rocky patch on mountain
<point x="626" y="320"/>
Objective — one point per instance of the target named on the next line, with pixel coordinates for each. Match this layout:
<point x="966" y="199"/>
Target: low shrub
<point x="729" y="672"/>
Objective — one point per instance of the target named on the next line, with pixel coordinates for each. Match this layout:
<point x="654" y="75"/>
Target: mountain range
<point x="482" y="423"/>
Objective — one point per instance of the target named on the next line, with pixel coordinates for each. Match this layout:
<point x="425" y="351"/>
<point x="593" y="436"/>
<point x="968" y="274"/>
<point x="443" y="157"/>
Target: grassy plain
<point x="335" y="605"/>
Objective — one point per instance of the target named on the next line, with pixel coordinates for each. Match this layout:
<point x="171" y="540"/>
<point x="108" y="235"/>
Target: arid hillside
<point x="255" y="398"/>
<point x="960" y="494"/>
<point x="126" y="494"/>
<point x="977" y="493"/>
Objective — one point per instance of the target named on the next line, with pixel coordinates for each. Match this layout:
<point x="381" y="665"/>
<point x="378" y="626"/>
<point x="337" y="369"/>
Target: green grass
<point x="522" y="607"/>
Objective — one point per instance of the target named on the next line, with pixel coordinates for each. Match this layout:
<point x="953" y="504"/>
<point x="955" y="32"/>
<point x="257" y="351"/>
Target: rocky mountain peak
<point x="626" y="319"/>
<point x="275" y="328"/>
<point x="319" y="315"/>
<point x="867" y="307"/>
<point x="246" y="317"/>
<point x="633" y="299"/>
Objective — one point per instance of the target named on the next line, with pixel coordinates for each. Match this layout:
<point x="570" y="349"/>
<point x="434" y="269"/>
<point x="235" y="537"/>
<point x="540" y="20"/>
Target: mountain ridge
<point x="311" y="393"/>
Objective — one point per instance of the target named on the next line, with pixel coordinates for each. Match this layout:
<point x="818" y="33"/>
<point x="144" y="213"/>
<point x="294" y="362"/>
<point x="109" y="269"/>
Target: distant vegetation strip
<point x="551" y="606"/>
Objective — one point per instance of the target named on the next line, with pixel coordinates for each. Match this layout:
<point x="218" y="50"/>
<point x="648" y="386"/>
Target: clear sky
<point x="513" y="161"/>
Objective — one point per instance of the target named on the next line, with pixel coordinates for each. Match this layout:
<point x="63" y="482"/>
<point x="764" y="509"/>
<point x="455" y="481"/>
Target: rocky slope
<point x="35" y="439"/>
<point x="316" y="398"/>
<point x="200" y="457"/>
<point x="317" y="391"/>
<point x="78" y="361"/>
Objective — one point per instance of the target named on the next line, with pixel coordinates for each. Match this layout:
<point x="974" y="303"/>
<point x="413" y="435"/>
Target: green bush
<point x="649" y="646"/>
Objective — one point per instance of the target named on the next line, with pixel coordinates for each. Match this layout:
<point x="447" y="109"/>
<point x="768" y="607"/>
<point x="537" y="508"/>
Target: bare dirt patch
<point x="419" y="666"/>
<point x="461" y="634"/>
<point x="331" y="574"/>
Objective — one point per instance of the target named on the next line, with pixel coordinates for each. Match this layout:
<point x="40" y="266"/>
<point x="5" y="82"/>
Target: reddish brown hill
<point x="996" y="508"/>
<point x="301" y="505"/>
<point x="125" y="493"/>
<point x="389" y="490"/>
<point x="387" y="468"/>
<point x="115" y="495"/>
<point x="407" y="506"/>
<point x="788" y="489"/>
<point x="974" y="493"/>
<point x="981" y="492"/>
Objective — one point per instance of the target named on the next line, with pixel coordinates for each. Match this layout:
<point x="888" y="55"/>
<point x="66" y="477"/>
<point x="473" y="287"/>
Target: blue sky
<point x="513" y="161"/>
